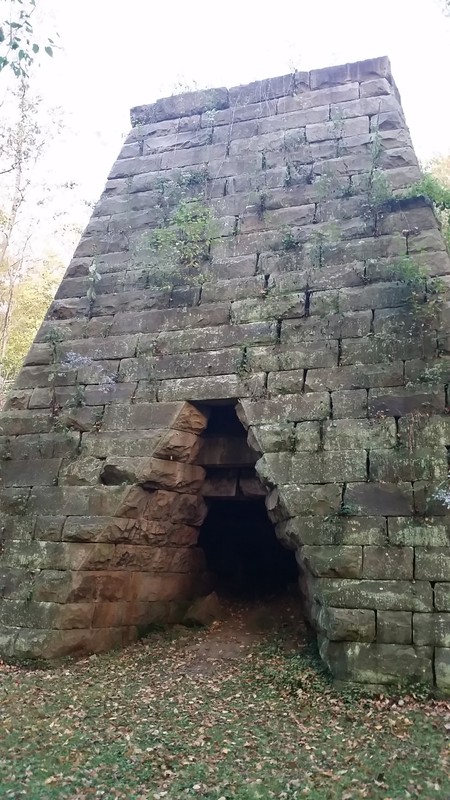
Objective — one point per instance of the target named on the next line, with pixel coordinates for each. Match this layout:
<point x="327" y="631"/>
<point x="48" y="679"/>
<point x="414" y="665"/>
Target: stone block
<point x="355" y="377"/>
<point x="58" y="555"/>
<point x="350" y="530"/>
<point x="292" y="408"/>
<point x="225" y="451"/>
<point x="378" y="663"/>
<point x="124" y="443"/>
<point x="388" y="563"/>
<point x="207" y="339"/>
<point x="39" y="472"/>
<point x="359" y="434"/>
<point x="378" y="595"/>
<point x="260" y="91"/>
<point x="310" y="499"/>
<point x="298" y="531"/>
<point x="48" y="528"/>
<point x="16" y="423"/>
<point x="402" y="401"/>
<point x="295" y="119"/>
<point x="171" y="475"/>
<point x="288" y="360"/>
<point x="336" y="130"/>
<point x="270" y="308"/>
<point x="347" y="624"/>
<point x="442" y="669"/>
<point x="427" y="532"/>
<point x="178" y="415"/>
<point x="414" y="465"/>
<point x="274" y="438"/>
<point x="158" y="559"/>
<point x="349" y="403"/>
<point x="374" y="350"/>
<point x="319" y="97"/>
<point x="442" y="596"/>
<point x="220" y="483"/>
<point x="380" y="295"/>
<point x="431" y="629"/>
<point x="216" y="387"/>
<point x="375" y="88"/>
<point x="157" y="320"/>
<point x="385" y="499"/>
<point x="340" y="561"/>
<point x="82" y="472"/>
<point x="329" y="467"/>
<point x="250" y="485"/>
<point x="394" y="627"/>
<point x="162" y="505"/>
<point x="371" y="69"/>
<point x="307" y="437"/>
<point x="432" y="563"/>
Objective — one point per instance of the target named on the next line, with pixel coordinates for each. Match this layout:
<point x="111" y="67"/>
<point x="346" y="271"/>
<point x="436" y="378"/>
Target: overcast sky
<point x="119" y="54"/>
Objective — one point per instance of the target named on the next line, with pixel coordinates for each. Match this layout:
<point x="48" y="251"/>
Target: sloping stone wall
<point x="323" y="309"/>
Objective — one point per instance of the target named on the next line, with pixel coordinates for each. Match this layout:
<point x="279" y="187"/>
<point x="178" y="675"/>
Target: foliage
<point x="222" y="713"/>
<point x="19" y="44"/>
<point x="28" y="208"/>
<point x="289" y="241"/>
<point x="435" y="184"/>
<point x="425" y="290"/>
<point x="179" y="250"/>
<point x="31" y="299"/>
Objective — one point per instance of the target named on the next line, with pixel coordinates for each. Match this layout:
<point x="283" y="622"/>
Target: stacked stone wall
<point x="322" y="309"/>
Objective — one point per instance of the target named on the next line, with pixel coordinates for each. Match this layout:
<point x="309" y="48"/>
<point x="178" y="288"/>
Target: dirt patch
<point x="243" y="625"/>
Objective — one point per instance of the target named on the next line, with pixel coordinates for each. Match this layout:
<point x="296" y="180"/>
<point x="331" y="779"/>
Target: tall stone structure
<point x="252" y="245"/>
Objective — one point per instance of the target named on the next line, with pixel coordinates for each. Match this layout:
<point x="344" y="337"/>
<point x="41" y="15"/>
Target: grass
<point x="155" y="721"/>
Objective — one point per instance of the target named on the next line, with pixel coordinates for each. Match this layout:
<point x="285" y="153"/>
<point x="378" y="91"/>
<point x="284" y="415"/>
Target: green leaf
<point x="49" y="51"/>
<point x="35" y="48"/>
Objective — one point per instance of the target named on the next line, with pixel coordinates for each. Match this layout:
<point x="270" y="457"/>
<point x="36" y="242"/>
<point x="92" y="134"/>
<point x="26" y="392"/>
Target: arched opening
<point x="245" y="558"/>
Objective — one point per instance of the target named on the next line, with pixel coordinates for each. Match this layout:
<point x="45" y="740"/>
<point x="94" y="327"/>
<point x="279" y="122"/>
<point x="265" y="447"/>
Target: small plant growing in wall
<point x="289" y="241"/>
<point x="178" y="251"/>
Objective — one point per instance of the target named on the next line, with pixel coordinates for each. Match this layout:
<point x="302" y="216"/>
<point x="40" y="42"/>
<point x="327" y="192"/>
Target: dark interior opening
<point x="245" y="558"/>
<point x="242" y="551"/>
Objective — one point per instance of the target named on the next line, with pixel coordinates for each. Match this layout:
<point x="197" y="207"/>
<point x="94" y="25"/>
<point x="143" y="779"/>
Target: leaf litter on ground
<point x="239" y="711"/>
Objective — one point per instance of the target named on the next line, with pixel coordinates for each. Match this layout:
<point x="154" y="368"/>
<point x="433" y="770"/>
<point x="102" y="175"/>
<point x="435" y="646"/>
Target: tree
<point x="29" y="219"/>
<point x="28" y="303"/>
<point x="19" y="44"/>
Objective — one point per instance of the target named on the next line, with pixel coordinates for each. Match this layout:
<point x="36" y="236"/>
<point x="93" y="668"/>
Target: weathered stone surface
<point x="358" y="434"/>
<point x="293" y="408"/>
<point x="160" y="504"/>
<point x="314" y="499"/>
<point x="432" y="563"/>
<point x="377" y="663"/>
<point x="347" y="624"/>
<point x="225" y="451"/>
<point x="442" y="596"/>
<point x="394" y="627"/>
<point x="181" y="416"/>
<point x="337" y="561"/>
<point x="426" y="532"/>
<point x="82" y="472"/>
<point x="388" y="499"/>
<point x="326" y="467"/>
<point x="431" y="629"/>
<point x="388" y="563"/>
<point x="381" y="595"/>
<point x="274" y="438"/>
<point x="442" y="668"/>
